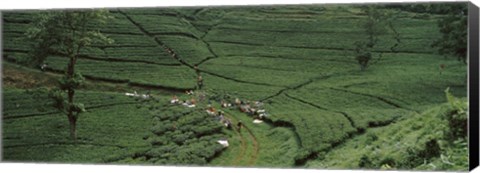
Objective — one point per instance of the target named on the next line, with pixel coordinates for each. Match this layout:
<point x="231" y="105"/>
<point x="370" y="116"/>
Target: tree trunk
<point x="71" y="93"/>
<point x="73" y="124"/>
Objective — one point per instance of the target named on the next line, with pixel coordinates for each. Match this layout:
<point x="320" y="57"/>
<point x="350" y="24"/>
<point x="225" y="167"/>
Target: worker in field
<point x="239" y="125"/>
<point x="221" y="113"/>
<point x="211" y="110"/>
<point x="225" y="104"/>
<point x="44" y="66"/>
<point x="228" y="124"/>
<point x="221" y="116"/>
<point x="195" y="67"/>
<point x="442" y="67"/>
<point x="246" y="108"/>
<point x="149" y="94"/>
<point x="174" y="99"/>
<point x="238" y="102"/>
<point x="190" y="103"/>
<point x="199" y="82"/>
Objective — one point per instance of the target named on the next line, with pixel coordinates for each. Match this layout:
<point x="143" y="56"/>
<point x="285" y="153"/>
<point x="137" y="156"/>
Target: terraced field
<point x="297" y="60"/>
<point x="27" y="134"/>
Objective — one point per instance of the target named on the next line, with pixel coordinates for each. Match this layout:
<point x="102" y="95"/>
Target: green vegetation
<point x="300" y="61"/>
<point x="180" y="136"/>
<point x="424" y="141"/>
<point x="454" y="32"/>
<point x="65" y="33"/>
<point x="375" y="25"/>
<point x="31" y="135"/>
<point x="453" y="25"/>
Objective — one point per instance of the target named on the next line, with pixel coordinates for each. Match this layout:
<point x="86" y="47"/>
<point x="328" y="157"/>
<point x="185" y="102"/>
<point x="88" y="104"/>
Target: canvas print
<point x="337" y="86"/>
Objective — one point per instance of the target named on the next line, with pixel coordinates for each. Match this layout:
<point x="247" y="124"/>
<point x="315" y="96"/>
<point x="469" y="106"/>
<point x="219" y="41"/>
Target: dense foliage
<point x="423" y="142"/>
<point x="376" y="24"/>
<point x="454" y="31"/>
<point x="184" y="138"/>
<point x="65" y="33"/>
<point x="453" y="26"/>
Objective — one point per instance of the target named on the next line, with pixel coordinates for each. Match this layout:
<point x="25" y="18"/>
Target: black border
<point x="473" y="46"/>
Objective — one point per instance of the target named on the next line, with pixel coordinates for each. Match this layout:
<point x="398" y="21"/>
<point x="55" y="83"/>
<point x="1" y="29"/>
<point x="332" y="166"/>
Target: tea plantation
<point x="322" y="111"/>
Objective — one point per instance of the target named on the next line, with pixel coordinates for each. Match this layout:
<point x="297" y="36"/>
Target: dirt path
<point x="243" y="148"/>
<point x="256" y="147"/>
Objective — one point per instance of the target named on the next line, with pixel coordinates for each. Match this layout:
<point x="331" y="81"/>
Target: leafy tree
<point x="362" y="54"/>
<point x="378" y="21"/>
<point x="453" y="27"/>
<point x="66" y="33"/>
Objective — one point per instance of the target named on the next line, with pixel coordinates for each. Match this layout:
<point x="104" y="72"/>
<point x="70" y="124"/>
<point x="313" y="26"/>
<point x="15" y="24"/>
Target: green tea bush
<point x="186" y="127"/>
<point x="432" y="149"/>
<point x="206" y="130"/>
<point x="388" y="162"/>
<point x="182" y="136"/>
<point x="411" y="159"/>
<point x="185" y="157"/>
<point x="159" y="140"/>
<point x="163" y="117"/>
<point x="179" y="138"/>
<point x="163" y="151"/>
<point x="160" y="129"/>
<point x="365" y="162"/>
<point x="371" y="137"/>
<point x="457" y="118"/>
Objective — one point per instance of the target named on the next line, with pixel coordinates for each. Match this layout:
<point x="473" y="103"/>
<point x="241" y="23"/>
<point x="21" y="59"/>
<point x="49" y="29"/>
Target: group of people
<point x="188" y="103"/>
<point x="251" y="108"/>
<point x="219" y="115"/>
<point x="143" y="96"/>
<point x="254" y="109"/>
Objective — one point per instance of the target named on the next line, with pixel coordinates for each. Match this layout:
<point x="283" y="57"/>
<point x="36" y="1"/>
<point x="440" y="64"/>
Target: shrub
<point x="457" y="118"/>
<point x="411" y="159"/>
<point x="388" y="162"/>
<point x="185" y="128"/>
<point x="161" y="140"/>
<point x="417" y="156"/>
<point x="302" y="154"/>
<point x="204" y="151"/>
<point x="371" y="137"/>
<point x="365" y="162"/>
<point x="180" y="138"/>
<point x="161" y="151"/>
<point x="160" y="128"/>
